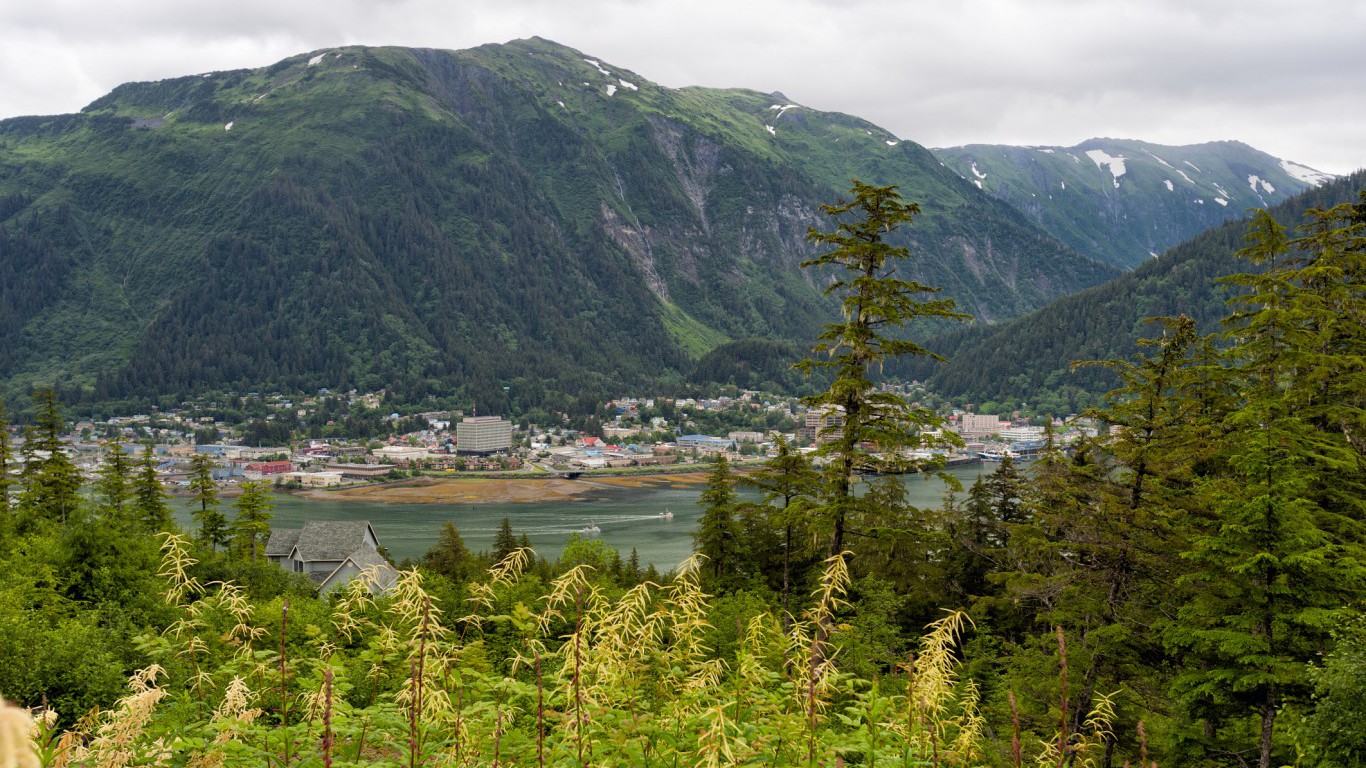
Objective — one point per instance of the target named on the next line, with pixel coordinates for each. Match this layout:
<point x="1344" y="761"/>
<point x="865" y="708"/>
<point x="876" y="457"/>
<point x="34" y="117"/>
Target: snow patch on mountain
<point x="1158" y="159"/>
<point x="891" y="143"/>
<point x="1045" y="150"/>
<point x="611" y="89"/>
<point x="1184" y="176"/>
<point x="228" y="127"/>
<point x="1221" y="201"/>
<point x="628" y="85"/>
<point x="1197" y="170"/>
<point x="1170" y="187"/>
<point x="781" y="109"/>
<point x="316" y="60"/>
<point x="772" y="130"/>
<point x="598" y="66"/>
<point x="1104" y="159"/>
<point x="1304" y="173"/>
<point x="977" y="173"/>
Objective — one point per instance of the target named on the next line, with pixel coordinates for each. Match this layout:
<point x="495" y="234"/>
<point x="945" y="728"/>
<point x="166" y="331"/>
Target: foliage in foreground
<point x="579" y="678"/>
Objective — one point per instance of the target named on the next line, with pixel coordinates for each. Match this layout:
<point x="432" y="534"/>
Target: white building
<point x="980" y="425"/>
<point x="401" y="453"/>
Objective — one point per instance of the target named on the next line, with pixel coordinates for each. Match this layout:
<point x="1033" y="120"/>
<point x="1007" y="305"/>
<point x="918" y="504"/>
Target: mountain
<point x="1124" y="202"/>
<point x="1028" y="358"/>
<point x="512" y="221"/>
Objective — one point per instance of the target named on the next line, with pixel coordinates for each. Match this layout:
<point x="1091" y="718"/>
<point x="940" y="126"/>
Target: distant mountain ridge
<point x="519" y="223"/>
<point x="1123" y="201"/>
<point x="1028" y="359"/>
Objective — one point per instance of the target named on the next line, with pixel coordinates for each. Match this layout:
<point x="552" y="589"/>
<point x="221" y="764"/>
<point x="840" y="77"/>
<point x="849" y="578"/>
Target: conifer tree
<point x="504" y="541"/>
<point x="112" y="486"/>
<point x="449" y="556"/>
<point x="251" y="528"/>
<point x="875" y="305"/>
<point x="49" y="482"/>
<point x="717" y="534"/>
<point x="1278" y="558"/>
<point x="213" y="524"/>
<point x="1099" y="562"/>
<point x="790" y="486"/>
<point x="149" y="498"/>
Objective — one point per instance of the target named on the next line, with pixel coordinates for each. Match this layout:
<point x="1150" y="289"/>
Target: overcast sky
<point x="1287" y="78"/>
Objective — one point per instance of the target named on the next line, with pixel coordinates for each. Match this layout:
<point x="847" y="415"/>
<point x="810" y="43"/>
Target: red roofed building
<point x="270" y="467"/>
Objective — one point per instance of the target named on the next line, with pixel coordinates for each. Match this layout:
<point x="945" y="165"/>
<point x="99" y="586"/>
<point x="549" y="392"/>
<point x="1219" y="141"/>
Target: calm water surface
<point x="626" y="518"/>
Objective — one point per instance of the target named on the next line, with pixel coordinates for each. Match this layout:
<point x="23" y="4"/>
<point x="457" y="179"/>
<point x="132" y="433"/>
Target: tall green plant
<point x="149" y="498"/>
<point x="111" y="486"/>
<point x="49" y="482"/>
<point x="1278" y="559"/>
<point x="717" y="537"/>
<point x="876" y="427"/>
<point x="213" y="524"/>
<point x="251" y="528"/>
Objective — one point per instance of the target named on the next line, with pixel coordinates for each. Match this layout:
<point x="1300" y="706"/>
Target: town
<point x="287" y="441"/>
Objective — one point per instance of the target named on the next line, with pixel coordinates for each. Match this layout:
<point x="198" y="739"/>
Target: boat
<point x="997" y="455"/>
<point x="591" y="529"/>
<point x="665" y="515"/>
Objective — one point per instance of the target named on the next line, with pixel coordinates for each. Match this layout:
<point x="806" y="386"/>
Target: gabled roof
<point x="327" y="540"/>
<point x="370" y="563"/>
<point x="331" y="539"/>
<point x="282" y="542"/>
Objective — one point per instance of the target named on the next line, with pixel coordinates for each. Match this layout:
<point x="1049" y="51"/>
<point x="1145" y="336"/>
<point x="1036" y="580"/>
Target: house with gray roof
<point x="331" y="553"/>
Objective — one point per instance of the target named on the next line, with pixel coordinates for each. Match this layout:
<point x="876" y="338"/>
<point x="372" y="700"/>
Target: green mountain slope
<point x="1123" y="202"/>
<point x="1027" y="359"/>
<point x="514" y="220"/>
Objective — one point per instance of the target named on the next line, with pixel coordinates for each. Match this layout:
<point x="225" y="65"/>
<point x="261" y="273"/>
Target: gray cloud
<point x="976" y="71"/>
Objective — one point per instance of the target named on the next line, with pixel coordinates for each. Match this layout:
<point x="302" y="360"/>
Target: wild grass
<point x="566" y="673"/>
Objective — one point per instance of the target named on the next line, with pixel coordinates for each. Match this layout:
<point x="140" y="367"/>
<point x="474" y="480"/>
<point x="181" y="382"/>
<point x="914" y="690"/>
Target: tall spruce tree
<point x="49" y="482"/>
<point x="213" y="524"/>
<point x="112" y="487"/>
<point x="717" y="535"/>
<point x="1278" y="559"/>
<point x="449" y="556"/>
<point x="251" y="527"/>
<point x="149" y="498"/>
<point x="504" y="541"/>
<point x="876" y="427"/>
<point x="1099" y="563"/>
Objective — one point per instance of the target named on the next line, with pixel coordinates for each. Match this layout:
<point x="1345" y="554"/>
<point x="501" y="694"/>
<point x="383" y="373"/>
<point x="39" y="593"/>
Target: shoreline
<point x="485" y="490"/>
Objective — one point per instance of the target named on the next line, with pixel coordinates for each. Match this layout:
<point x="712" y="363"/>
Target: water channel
<point x="625" y="517"/>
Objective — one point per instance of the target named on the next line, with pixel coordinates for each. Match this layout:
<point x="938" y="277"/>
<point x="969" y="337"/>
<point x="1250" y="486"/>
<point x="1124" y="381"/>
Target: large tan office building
<point x="483" y="435"/>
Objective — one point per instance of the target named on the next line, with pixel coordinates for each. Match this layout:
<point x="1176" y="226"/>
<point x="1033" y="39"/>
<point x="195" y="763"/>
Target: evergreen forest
<point x="1185" y="589"/>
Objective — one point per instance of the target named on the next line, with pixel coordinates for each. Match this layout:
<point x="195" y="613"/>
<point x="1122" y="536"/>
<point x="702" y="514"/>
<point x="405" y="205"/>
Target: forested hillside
<point x="1029" y="359"/>
<point x="510" y="221"/>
